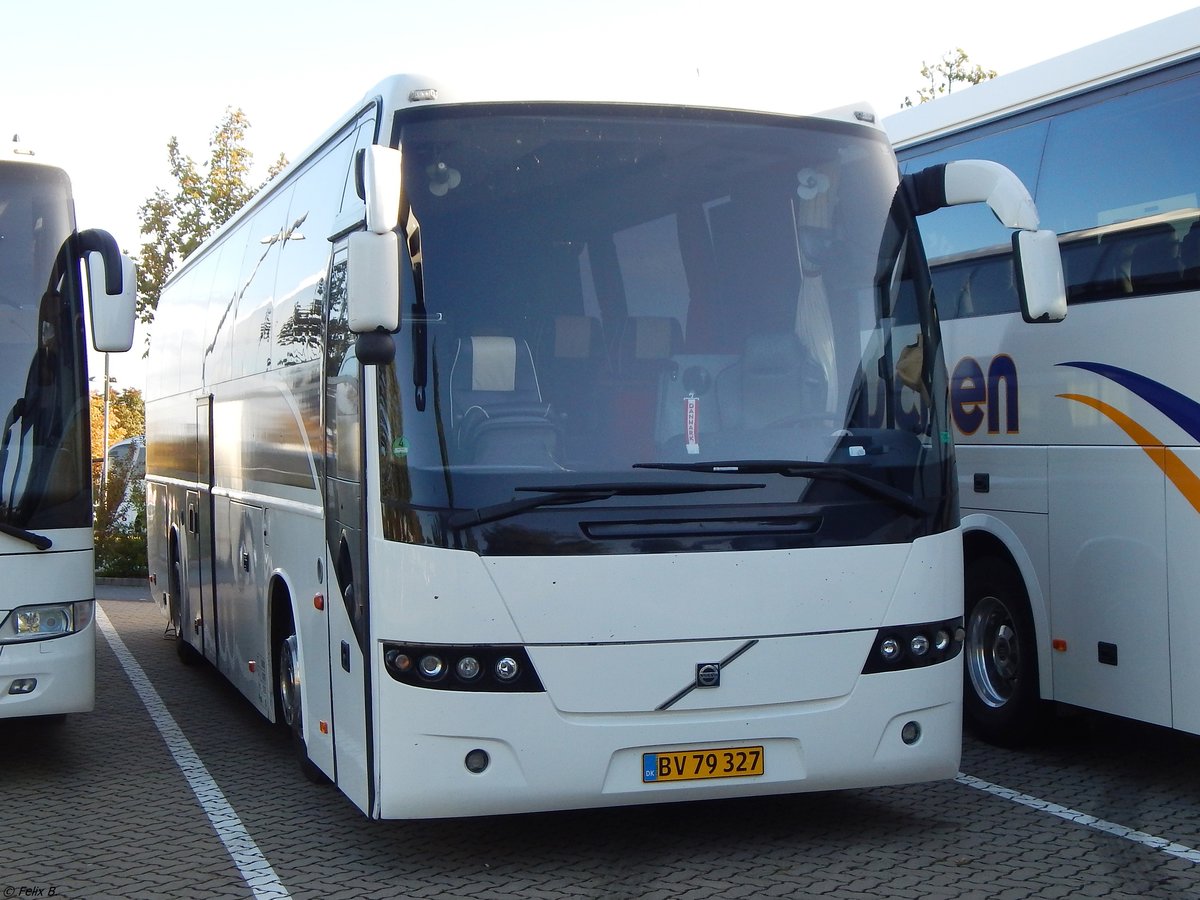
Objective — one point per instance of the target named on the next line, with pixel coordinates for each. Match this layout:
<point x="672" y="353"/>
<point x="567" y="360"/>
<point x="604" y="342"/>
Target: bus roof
<point x="410" y="90"/>
<point x="1148" y="47"/>
<point x="16" y="151"/>
<point x="416" y="90"/>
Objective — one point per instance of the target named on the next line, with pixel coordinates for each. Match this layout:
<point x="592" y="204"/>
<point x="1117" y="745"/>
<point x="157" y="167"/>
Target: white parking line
<point x="256" y="871"/>
<point x="1080" y="818"/>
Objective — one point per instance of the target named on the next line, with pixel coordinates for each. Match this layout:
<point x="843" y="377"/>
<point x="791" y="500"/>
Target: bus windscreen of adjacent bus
<point x="44" y="474"/>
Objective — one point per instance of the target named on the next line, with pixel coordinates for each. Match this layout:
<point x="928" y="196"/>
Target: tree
<point x="120" y="505"/>
<point x="943" y="75"/>
<point x="126" y="418"/>
<point x="176" y="221"/>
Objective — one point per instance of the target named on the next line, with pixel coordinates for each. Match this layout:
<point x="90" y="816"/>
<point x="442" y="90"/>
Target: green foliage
<point x="119" y="526"/>
<point x="176" y="221"/>
<point x="953" y="68"/>
<point x="126" y="418"/>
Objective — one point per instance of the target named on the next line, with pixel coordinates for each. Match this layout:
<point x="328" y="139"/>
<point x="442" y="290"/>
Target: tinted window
<point x="300" y="281"/>
<point x="1123" y="177"/>
<point x="1116" y="174"/>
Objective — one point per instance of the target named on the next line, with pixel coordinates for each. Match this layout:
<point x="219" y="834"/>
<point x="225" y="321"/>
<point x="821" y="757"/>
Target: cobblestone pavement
<point x="97" y="807"/>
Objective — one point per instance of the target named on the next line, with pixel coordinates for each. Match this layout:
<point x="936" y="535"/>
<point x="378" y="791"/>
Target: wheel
<point x="187" y="654"/>
<point x="1001" y="700"/>
<point x="289" y="700"/>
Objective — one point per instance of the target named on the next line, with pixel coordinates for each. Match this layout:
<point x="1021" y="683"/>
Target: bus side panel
<point x="294" y="559"/>
<point x="1108" y="540"/>
<point x="1183" y="579"/>
<point x="349" y="677"/>
<point x="244" y="637"/>
<point x="157" y="525"/>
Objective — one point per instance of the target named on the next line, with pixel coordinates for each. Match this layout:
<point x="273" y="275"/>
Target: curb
<point x="122" y="582"/>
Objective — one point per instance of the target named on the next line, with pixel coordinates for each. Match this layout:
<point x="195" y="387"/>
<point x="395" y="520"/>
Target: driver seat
<point x="776" y="382"/>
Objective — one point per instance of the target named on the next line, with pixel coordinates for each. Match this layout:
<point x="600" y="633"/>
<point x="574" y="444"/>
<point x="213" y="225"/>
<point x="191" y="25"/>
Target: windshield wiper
<point x="555" y="495"/>
<point x="798" y="469"/>
<point x="38" y="540"/>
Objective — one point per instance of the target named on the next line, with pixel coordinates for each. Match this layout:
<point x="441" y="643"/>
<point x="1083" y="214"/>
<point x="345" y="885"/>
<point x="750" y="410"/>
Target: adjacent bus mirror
<point x="373" y="282"/>
<point x="1040" y="281"/>
<point x="378" y="181"/>
<point x="112" y="313"/>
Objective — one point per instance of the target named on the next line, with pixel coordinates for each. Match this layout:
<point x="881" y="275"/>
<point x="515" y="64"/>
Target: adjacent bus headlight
<point x="46" y="621"/>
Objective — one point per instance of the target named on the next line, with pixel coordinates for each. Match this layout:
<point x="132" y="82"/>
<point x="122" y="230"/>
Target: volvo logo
<point x="708" y="675"/>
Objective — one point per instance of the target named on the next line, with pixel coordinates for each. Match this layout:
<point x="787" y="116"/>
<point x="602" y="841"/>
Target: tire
<point x="1001" y="697"/>
<point x="289" y="700"/>
<point x="188" y="655"/>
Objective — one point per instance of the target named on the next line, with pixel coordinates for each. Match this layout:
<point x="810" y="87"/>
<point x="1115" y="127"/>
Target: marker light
<point x="507" y="668"/>
<point x="431" y="667"/>
<point x="468" y="668"/>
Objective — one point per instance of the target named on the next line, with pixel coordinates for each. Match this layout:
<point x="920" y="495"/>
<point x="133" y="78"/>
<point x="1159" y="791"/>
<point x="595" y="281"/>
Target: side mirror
<point x="373" y="294"/>
<point x="1040" y="281"/>
<point x="379" y="186"/>
<point x="1040" y="276"/>
<point x="112" y="288"/>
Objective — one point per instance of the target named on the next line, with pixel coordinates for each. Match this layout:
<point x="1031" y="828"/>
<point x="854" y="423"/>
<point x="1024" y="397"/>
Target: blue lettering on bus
<point x="976" y="397"/>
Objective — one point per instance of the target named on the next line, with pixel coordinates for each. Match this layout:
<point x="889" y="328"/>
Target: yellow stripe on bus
<point x="1184" y="479"/>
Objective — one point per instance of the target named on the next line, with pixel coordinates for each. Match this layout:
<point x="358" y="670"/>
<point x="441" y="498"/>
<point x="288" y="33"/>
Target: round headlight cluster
<point x="914" y="646"/>
<point x="461" y="668"/>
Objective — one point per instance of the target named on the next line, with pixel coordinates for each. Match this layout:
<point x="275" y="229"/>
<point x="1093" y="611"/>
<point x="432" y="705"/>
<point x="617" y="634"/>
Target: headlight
<point x="44" y="621"/>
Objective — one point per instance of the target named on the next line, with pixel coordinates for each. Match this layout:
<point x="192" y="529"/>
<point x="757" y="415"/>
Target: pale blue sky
<point x="100" y="88"/>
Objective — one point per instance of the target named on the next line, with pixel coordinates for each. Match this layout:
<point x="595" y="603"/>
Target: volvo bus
<point x="47" y="603"/>
<point x="523" y="454"/>
<point x="1078" y="456"/>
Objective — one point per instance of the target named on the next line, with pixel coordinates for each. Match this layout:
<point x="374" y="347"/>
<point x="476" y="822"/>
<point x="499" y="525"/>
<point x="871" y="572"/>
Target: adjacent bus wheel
<point x="1001" y="702"/>
<point x="187" y="654"/>
<point x="289" y="700"/>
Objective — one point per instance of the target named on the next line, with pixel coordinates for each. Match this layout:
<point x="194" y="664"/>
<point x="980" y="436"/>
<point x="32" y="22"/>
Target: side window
<point x="255" y="302"/>
<point x="218" y="341"/>
<point x="304" y="257"/>
<point x="1121" y="179"/>
<point x="342" y="403"/>
<point x="364" y="136"/>
<point x="970" y="252"/>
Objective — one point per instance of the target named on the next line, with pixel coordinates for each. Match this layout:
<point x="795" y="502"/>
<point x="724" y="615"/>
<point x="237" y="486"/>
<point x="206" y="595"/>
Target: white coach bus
<point x="47" y="602"/>
<point x="1078" y="445"/>
<point x="530" y="455"/>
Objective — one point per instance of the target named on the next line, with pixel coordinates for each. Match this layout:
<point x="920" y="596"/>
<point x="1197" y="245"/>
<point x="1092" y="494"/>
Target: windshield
<point x="623" y="312"/>
<point x="44" y="479"/>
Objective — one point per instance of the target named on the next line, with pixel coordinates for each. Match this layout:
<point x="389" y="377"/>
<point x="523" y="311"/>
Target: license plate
<point x="692" y="765"/>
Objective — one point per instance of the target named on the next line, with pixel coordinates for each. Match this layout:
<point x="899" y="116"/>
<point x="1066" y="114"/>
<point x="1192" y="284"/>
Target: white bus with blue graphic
<point x="1079" y="445"/>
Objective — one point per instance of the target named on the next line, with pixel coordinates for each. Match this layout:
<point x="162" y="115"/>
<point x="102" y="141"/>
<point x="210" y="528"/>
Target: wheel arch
<point x="282" y="612"/>
<point x="988" y="536"/>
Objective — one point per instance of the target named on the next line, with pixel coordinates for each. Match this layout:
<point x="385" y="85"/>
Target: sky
<point x="100" y="88"/>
